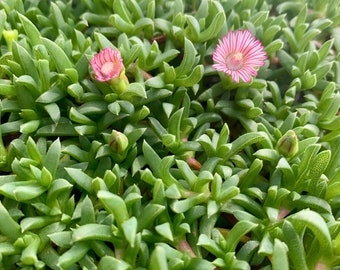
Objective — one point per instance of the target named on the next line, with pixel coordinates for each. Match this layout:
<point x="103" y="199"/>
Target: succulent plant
<point x="161" y="161"/>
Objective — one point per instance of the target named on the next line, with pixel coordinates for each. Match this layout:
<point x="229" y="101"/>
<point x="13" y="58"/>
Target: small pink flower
<point x="239" y="55"/>
<point x="107" y="64"/>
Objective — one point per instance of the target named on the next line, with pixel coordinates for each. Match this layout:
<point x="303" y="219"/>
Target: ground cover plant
<point x="167" y="134"/>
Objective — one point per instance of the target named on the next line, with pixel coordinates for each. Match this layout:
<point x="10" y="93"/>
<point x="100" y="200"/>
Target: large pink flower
<point x="239" y="55"/>
<point x="107" y="64"/>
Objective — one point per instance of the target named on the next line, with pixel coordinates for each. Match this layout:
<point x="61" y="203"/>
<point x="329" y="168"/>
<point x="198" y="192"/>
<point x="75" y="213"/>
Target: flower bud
<point x="10" y="36"/>
<point x="118" y="141"/>
<point x="288" y="144"/>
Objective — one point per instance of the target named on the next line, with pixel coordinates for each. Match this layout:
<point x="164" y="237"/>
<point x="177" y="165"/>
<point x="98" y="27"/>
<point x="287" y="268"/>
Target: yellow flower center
<point x="234" y="61"/>
<point x="108" y="68"/>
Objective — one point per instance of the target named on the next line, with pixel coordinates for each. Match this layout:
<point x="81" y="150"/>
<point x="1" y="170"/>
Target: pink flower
<point x="107" y="64"/>
<point x="239" y="55"/>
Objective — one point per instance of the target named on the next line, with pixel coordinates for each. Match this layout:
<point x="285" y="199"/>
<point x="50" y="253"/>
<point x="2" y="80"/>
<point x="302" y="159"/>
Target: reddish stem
<point x="184" y="246"/>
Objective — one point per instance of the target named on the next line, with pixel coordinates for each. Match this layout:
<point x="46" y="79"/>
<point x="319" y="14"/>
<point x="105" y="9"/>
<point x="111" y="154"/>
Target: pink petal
<point x="231" y="47"/>
<point x="105" y="56"/>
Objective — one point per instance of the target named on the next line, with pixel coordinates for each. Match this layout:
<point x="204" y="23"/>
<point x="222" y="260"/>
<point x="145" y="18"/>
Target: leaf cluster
<point x="216" y="175"/>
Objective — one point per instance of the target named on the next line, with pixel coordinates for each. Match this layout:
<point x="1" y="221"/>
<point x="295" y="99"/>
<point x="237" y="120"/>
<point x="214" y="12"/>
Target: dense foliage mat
<point x="184" y="168"/>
